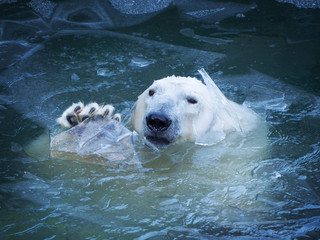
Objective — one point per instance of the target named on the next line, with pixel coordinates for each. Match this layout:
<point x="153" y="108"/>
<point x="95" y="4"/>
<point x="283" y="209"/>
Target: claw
<point x="117" y="117"/>
<point x="77" y="109"/>
<point x="70" y="117"/>
<point x="92" y="110"/>
<point x="106" y="111"/>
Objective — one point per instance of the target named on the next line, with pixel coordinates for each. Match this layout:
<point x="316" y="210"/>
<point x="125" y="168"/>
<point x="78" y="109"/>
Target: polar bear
<point x="176" y="109"/>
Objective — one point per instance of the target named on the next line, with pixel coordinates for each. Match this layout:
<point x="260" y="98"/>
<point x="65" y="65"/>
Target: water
<point x="234" y="189"/>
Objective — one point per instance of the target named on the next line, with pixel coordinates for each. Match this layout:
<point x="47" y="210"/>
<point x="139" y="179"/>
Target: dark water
<point x="268" y="59"/>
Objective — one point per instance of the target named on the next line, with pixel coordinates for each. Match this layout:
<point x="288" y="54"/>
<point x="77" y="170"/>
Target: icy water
<point x="248" y="188"/>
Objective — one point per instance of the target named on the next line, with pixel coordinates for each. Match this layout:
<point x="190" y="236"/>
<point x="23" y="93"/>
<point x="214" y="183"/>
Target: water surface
<point x="267" y="60"/>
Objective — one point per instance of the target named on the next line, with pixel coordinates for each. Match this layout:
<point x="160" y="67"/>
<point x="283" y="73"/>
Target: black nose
<point x="158" y="122"/>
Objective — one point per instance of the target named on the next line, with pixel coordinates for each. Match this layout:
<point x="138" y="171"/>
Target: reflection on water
<point x="235" y="188"/>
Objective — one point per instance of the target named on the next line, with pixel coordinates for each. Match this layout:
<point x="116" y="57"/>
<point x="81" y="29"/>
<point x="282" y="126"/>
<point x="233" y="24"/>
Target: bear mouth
<point x="159" y="142"/>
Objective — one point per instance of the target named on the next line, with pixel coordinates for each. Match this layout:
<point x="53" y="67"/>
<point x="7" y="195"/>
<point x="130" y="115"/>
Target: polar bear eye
<point x="151" y="92"/>
<point x="192" y="100"/>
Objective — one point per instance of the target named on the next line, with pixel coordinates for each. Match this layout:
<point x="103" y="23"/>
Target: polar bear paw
<point x="78" y="112"/>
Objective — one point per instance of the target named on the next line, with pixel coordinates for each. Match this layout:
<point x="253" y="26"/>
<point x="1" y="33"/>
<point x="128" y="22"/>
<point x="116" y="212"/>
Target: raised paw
<point x="77" y="113"/>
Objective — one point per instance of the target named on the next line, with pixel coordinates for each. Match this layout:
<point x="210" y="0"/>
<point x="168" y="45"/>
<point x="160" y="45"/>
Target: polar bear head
<point x="183" y="108"/>
<point x="172" y="109"/>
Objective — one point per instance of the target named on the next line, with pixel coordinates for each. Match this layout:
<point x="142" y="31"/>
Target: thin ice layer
<point x="100" y="140"/>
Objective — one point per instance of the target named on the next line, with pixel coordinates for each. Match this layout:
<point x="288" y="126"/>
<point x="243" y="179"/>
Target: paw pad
<point x="78" y="112"/>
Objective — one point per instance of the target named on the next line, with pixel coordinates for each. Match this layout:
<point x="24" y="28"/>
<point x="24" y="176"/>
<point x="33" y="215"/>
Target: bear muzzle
<point x="159" y="129"/>
<point x="157" y="122"/>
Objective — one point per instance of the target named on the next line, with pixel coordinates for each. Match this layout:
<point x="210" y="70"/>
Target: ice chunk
<point x="261" y="99"/>
<point x="204" y="13"/>
<point x="103" y="141"/>
<point x="140" y="6"/>
<point x="188" y="32"/>
<point x="8" y="1"/>
<point x="211" y="11"/>
<point x="303" y="3"/>
<point x="103" y="72"/>
<point x="75" y="77"/>
<point x="141" y="62"/>
<point x="221" y="100"/>
<point x="43" y="7"/>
